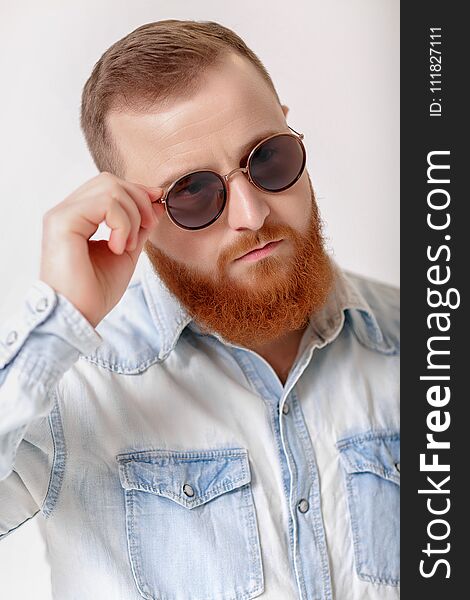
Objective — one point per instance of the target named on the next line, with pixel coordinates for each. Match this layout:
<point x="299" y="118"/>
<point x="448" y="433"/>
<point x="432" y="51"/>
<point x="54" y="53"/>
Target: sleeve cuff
<point x="47" y="312"/>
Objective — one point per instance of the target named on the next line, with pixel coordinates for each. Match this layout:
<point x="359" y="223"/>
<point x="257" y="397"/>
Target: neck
<point x="282" y="352"/>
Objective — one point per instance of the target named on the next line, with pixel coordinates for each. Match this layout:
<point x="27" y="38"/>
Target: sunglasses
<point x="197" y="199"/>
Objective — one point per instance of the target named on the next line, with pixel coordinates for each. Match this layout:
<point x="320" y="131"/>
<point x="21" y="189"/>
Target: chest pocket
<point x="191" y="524"/>
<point x="371" y="465"/>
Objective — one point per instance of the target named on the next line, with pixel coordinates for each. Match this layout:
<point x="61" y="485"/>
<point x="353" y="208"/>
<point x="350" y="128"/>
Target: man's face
<point x="244" y="301"/>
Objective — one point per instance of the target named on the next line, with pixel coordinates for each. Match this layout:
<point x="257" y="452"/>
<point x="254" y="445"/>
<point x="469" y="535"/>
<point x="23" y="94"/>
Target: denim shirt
<point x="170" y="464"/>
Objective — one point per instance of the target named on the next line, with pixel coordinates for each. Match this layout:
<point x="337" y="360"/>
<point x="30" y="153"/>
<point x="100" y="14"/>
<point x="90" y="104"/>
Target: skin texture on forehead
<point x="265" y="300"/>
<point x="233" y="104"/>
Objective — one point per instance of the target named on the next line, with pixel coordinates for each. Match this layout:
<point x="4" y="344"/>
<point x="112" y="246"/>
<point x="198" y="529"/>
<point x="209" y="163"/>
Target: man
<point x="226" y="425"/>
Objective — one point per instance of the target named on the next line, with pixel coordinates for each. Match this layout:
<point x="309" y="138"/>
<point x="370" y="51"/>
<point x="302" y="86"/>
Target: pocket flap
<point x="373" y="452"/>
<point x="190" y="478"/>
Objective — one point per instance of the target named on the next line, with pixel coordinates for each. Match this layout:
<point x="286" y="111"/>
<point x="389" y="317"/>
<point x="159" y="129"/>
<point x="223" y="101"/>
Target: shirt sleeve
<point x="38" y="344"/>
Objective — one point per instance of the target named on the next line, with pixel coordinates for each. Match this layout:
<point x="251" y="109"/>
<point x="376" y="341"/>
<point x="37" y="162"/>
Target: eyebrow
<point x="244" y="152"/>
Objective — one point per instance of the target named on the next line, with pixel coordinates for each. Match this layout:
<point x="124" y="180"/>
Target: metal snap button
<point x="285" y="408"/>
<point x="188" y="490"/>
<point x="303" y="505"/>
<point x="12" y="337"/>
<point x="42" y="304"/>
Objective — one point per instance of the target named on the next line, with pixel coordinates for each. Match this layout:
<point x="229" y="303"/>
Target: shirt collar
<point x="344" y="301"/>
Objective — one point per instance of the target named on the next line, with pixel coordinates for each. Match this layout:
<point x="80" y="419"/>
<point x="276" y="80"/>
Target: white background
<point x="335" y="64"/>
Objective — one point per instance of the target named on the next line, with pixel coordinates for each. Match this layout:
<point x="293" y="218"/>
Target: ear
<point x="285" y="109"/>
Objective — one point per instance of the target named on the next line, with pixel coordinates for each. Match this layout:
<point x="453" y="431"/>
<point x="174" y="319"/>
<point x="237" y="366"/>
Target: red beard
<point x="278" y="295"/>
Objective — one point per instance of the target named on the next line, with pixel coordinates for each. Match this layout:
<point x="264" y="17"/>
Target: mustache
<point x="250" y="241"/>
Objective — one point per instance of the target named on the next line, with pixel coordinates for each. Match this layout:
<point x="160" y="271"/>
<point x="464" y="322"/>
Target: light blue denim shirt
<point x="173" y="465"/>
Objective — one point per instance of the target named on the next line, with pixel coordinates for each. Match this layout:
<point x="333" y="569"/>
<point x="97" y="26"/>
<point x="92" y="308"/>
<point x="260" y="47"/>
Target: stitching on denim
<point x="118" y="368"/>
<point x="294" y="538"/>
<point x="132" y="545"/>
<point x="354" y="504"/>
<point x="51" y="474"/>
<point x="315" y="497"/>
<point x="379" y="470"/>
<point x="4" y="535"/>
<point x="170" y="330"/>
<point x="59" y="459"/>
<point x="358" y="546"/>
<point x="37" y="371"/>
<point x="352" y="501"/>
<point x="195" y="455"/>
<point x="256" y="564"/>
<point x="373" y="434"/>
<point x="211" y="493"/>
<point x="185" y="457"/>
<point x="356" y="442"/>
<point x="276" y="427"/>
<point x="252" y="536"/>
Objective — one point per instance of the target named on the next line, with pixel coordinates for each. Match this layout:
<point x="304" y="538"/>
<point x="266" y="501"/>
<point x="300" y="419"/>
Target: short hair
<point x="156" y="63"/>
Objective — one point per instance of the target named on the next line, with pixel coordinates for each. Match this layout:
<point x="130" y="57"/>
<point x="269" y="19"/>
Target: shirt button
<point x="42" y="305"/>
<point x="11" y="338"/>
<point x="303" y="505"/>
<point x="285" y="408"/>
<point x="188" y="490"/>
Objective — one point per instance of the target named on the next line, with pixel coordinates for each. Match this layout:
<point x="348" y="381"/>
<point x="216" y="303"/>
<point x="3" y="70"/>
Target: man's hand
<point x="94" y="275"/>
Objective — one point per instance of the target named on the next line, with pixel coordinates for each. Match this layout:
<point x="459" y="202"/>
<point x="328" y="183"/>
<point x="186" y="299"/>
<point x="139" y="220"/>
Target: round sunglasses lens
<point x="196" y="200"/>
<point x="277" y="163"/>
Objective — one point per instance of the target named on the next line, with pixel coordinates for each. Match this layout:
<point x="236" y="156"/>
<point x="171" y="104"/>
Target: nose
<point x="246" y="208"/>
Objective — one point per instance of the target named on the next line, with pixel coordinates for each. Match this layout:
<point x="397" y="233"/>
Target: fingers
<point x="118" y="220"/>
<point x="140" y="198"/>
<point x="154" y="193"/>
<point x="141" y="238"/>
<point x="126" y="208"/>
<point x="143" y="198"/>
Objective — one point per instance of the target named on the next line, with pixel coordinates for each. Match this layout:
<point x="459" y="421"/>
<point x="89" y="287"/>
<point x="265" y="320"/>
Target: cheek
<point x="297" y="208"/>
<point x="193" y="249"/>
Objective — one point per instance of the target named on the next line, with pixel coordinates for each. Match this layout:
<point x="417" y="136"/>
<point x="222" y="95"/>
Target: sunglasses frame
<point x="224" y="178"/>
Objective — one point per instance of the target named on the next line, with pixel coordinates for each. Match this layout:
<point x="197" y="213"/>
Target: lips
<point x="258" y="248"/>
